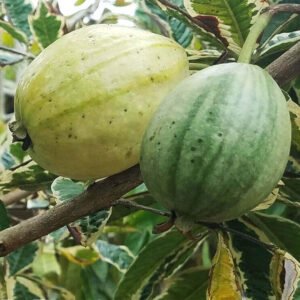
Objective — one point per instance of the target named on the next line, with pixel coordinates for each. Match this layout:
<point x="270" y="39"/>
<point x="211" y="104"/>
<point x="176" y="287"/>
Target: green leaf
<point x="7" y="58"/>
<point x="295" y="120"/>
<point x="65" y="189"/>
<point x="232" y="18"/>
<point x="79" y="2"/>
<point x="189" y="285"/>
<point x="4" y="219"/>
<point x="15" y="149"/>
<point x="14" y="32"/>
<point x="118" y="256"/>
<point x="21" y="258"/>
<point x="30" y="178"/>
<point x="223" y="279"/>
<point x="276" y="46"/>
<point x="45" y="26"/>
<point x="282" y="232"/>
<point x="21" y="292"/>
<point x="91" y="227"/>
<point x="18" y="12"/>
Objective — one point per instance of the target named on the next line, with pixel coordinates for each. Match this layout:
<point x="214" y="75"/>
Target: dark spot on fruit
<point x="125" y="109"/>
<point x="175" y="136"/>
<point x="151" y="138"/>
<point x="69" y="135"/>
<point x="50" y="100"/>
<point x="193" y="148"/>
<point x="199" y="141"/>
<point x="129" y="152"/>
<point x="152" y="79"/>
<point x="83" y="116"/>
<point x="141" y="113"/>
<point x="158" y="57"/>
<point x="173" y="122"/>
<point x="110" y="121"/>
<point x="220" y="134"/>
<point x="75" y="137"/>
<point x="210" y="113"/>
<point x="192" y="161"/>
<point x="158" y="143"/>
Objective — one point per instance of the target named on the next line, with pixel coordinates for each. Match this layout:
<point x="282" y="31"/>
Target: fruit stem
<point x="254" y="34"/>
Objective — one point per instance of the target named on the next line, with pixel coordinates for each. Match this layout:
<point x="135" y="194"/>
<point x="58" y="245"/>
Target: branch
<point x="287" y="67"/>
<point x="14" y="196"/>
<point x="98" y="196"/>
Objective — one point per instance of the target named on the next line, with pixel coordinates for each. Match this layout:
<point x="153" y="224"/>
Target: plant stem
<point x="251" y="40"/>
<point x="14" y="51"/>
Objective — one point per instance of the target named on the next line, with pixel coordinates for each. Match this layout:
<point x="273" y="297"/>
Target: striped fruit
<point x="84" y="102"/>
<point x="218" y="143"/>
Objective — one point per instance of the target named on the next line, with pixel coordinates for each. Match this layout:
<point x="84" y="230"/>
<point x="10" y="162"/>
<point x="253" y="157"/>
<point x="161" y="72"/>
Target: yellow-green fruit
<point x="85" y="101"/>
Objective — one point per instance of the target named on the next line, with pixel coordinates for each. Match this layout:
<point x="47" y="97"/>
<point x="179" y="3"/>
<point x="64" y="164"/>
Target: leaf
<point x="161" y="258"/>
<point x="268" y="201"/>
<point x="79" y="255"/>
<point x="282" y="232"/>
<point x="118" y="256"/>
<point x="7" y="58"/>
<point x="4" y="219"/>
<point x="232" y="18"/>
<point x="21" y="258"/>
<point x="223" y="280"/>
<point x="276" y="46"/>
<point x="14" y="32"/>
<point x="79" y="2"/>
<point x="45" y="26"/>
<point x="295" y="120"/>
<point x="30" y="178"/>
<point x="65" y="189"/>
<point x="91" y="227"/>
<point x="285" y="275"/>
<point x="252" y="262"/>
<point x="45" y="263"/>
<point x="189" y="285"/>
<point x="21" y="292"/>
<point x="18" y="11"/>
<point x="207" y="32"/>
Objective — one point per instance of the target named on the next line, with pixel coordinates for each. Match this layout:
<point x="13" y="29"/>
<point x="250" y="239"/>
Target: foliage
<point x="114" y="254"/>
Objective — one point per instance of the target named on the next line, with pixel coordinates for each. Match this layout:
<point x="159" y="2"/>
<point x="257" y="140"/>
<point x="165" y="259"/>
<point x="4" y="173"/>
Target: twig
<point x="99" y="196"/>
<point x="128" y="203"/>
<point x="15" y="196"/>
<point x="21" y="165"/>
<point x="14" y="51"/>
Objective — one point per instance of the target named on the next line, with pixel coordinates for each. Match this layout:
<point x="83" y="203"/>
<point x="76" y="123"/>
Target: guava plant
<point x="205" y="96"/>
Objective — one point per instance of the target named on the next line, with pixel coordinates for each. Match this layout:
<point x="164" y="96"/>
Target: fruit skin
<point x="218" y="144"/>
<point x="85" y="100"/>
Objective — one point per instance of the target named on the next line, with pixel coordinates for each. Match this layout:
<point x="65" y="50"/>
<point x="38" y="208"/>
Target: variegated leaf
<point x="159" y="259"/>
<point x="207" y="31"/>
<point x="295" y="119"/>
<point x="282" y="232"/>
<point x="79" y="255"/>
<point x="228" y="19"/>
<point x="65" y="189"/>
<point x="45" y="26"/>
<point x="18" y="12"/>
<point x="253" y="262"/>
<point x="13" y="31"/>
<point x="276" y="46"/>
<point x="91" y="227"/>
<point x="189" y="285"/>
<point x="224" y="282"/>
<point x="21" y="258"/>
<point x="269" y="200"/>
<point x="285" y="275"/>
<point x="118" y="256"/>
